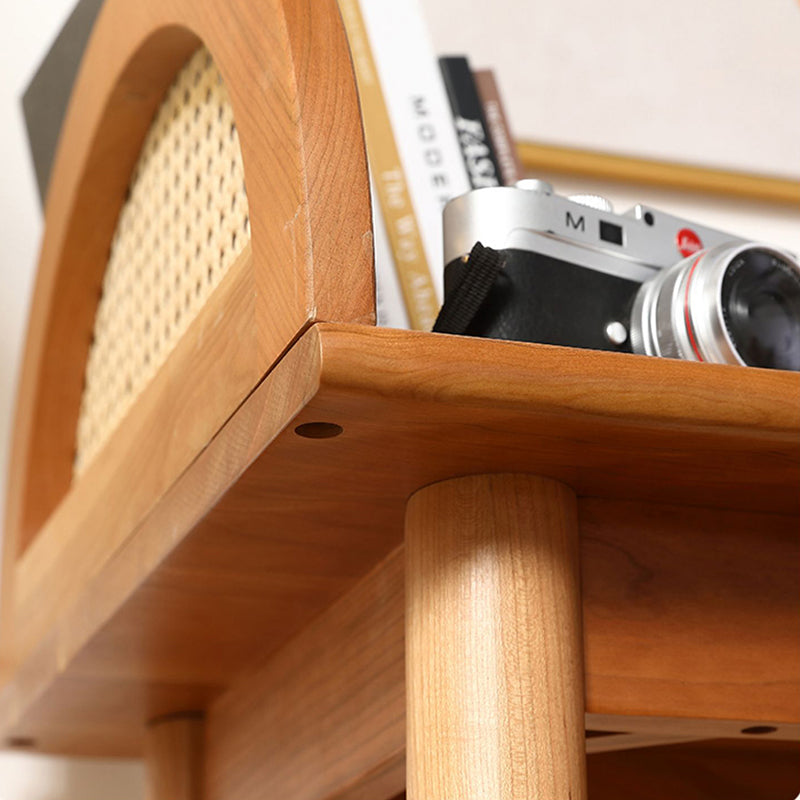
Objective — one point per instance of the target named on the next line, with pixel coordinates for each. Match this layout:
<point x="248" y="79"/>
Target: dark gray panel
<point x="45" y="100"/>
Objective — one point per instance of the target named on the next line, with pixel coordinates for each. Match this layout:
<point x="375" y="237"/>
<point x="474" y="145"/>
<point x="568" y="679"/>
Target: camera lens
<point x="761" y="309"/>
<point x="733" y="304"/>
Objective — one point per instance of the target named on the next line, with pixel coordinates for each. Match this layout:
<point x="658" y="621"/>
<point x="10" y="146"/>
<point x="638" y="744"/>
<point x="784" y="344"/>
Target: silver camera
<point x="575" y="273"/>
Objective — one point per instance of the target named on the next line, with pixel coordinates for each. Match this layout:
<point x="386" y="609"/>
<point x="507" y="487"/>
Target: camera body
<point x="577" y="274"/>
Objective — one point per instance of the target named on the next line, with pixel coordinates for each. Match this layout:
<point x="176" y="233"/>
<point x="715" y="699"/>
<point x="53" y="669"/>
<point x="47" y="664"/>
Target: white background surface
<point x="703" y="81"/>
<point x="712" y="82"/>
<point x="32" y="777"/>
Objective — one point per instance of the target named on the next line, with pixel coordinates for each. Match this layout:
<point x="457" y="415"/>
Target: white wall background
<point x="703" y="81"/>
<point x="32" y="777"/>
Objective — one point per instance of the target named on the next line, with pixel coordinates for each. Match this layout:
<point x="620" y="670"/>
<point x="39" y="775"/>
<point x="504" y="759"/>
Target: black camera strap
<point x="482" y="267"/>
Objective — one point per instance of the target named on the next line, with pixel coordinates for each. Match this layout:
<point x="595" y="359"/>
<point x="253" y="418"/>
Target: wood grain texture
<point x="613" y="742"/>
<point x="174" y="758"/>
<point x="329" y="708"/>
<point x="173" y="419"/>
<point x="717" y="585"/>
<point x="269" y="528"/>
<point x="494" y="663"/>
<point x="711" y="770"/>
<point x="697" y="728"/>
<point x="66" y="629"/>
<point x="103" y="699"/>
<point x="96" y="716"/>
<point x="287" y="68"/>
<point x="720" y="769"/>
<point x="90" y="174"/>
<point x="207" y="588"/>
<point x="354" y="653"/>
<point x="352" y="710"/>
<point x="606" y="424"/>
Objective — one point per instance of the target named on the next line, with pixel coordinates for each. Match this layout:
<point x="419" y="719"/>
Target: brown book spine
<point x="500" y="133"/>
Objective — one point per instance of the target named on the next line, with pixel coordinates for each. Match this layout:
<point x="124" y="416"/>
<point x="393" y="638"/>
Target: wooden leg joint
<point x="174" y="757"/>
<point x="494" y="663"/>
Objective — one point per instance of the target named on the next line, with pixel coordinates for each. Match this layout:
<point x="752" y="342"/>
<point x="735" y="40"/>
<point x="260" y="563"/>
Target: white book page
<point x="420" y="115"/>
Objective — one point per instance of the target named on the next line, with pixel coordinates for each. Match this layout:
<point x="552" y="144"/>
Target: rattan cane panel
<point x="183" y="224"/>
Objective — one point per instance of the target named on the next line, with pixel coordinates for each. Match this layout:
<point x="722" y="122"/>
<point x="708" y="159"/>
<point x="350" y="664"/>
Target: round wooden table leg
<point x="494" y="661"/>
<point x="174" y="757"/>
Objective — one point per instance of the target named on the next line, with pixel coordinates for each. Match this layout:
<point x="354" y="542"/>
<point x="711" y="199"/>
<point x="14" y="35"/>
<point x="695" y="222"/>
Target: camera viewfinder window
<point x="610" y="232"/>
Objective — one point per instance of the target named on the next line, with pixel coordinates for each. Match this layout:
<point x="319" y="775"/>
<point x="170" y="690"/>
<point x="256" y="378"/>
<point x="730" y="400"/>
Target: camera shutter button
<point x="594" y="201"/>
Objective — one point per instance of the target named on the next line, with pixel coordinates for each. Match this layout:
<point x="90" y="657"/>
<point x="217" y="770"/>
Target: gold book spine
<point x="389" y="178"/>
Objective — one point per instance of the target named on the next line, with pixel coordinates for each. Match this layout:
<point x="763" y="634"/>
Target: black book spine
<point x="483" y="166"/>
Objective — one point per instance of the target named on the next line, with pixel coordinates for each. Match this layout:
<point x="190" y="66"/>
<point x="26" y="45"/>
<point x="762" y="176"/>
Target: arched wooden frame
<point x="287" y="69"/>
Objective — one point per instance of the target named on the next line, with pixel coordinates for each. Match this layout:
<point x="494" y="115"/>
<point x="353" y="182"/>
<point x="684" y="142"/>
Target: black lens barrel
<point x="760" y="300"/>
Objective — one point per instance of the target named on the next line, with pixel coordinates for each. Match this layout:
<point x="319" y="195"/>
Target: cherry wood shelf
<point x="687" y="478"/>
<point x="222" y="590"/>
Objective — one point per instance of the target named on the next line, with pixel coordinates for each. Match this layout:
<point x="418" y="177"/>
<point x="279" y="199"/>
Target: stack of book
<point x="434" y="129"/>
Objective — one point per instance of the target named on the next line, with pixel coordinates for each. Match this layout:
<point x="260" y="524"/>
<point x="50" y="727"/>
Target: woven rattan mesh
<point x="184" y="223"/>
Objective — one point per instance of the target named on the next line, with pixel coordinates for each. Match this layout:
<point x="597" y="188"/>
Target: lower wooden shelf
<point x="279" y="551"/>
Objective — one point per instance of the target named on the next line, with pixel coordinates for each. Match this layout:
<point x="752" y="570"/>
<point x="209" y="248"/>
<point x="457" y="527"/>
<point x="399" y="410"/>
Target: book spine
<point x="497" y="123"/>
<point x="479" y="157"/>
<point x="420" y="116"/>
<point x="389" y="178"/>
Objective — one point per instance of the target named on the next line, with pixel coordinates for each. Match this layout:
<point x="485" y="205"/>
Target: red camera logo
<point x="688" y="242"/>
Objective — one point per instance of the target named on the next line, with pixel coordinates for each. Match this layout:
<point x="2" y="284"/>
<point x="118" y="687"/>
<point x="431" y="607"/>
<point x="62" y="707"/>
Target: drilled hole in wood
<point x="318" y="430"/>
<point x="756" y="730"/>
<point x="21" y="742"/>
